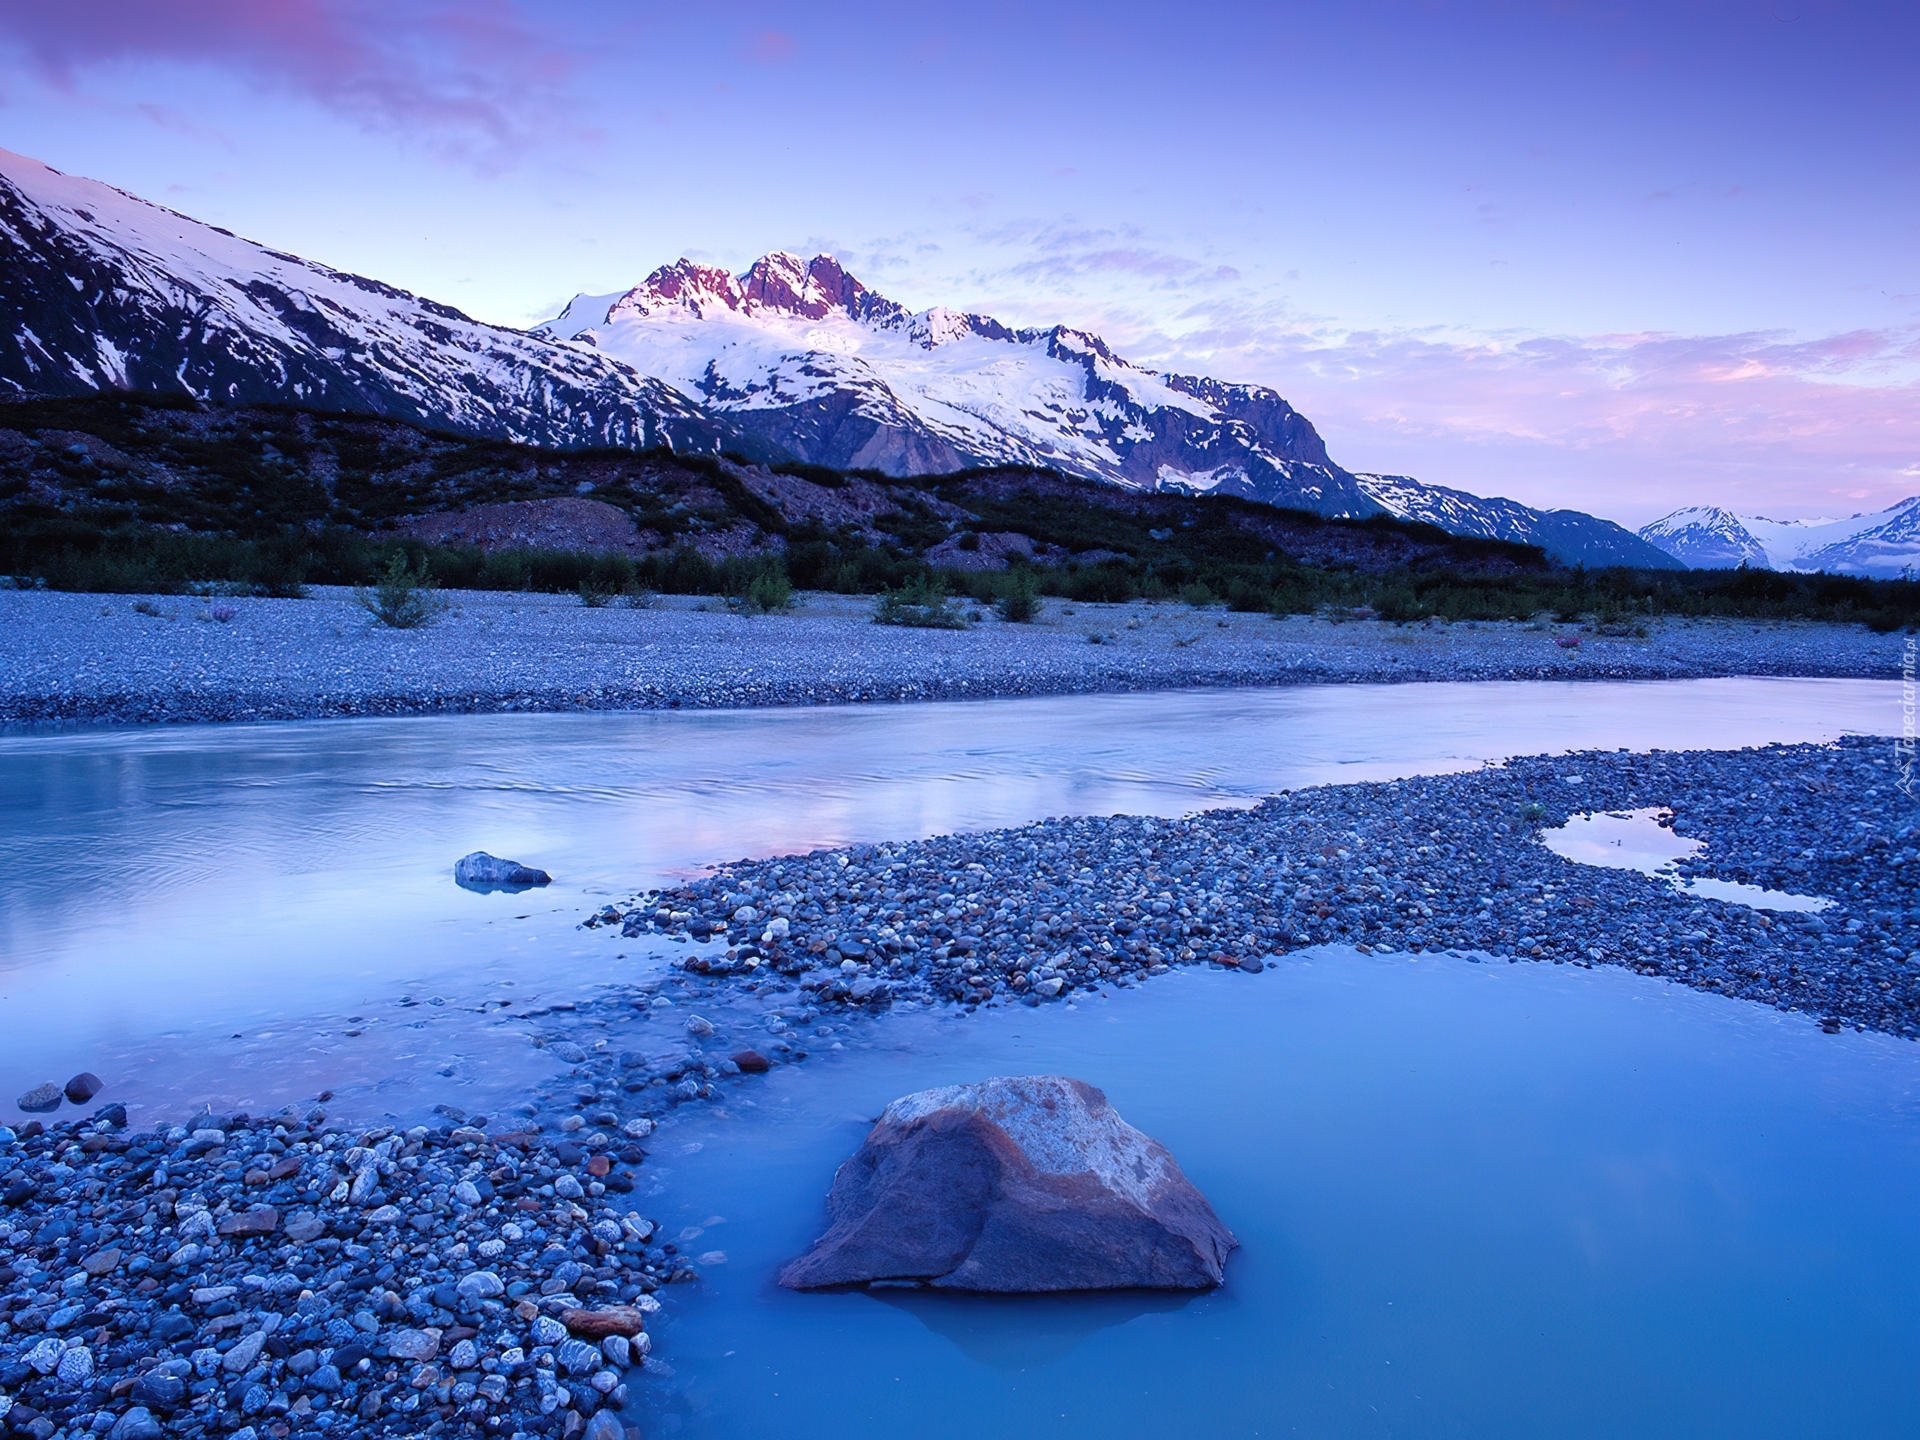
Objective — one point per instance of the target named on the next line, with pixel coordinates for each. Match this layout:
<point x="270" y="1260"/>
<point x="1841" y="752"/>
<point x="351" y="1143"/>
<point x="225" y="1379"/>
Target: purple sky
<point x="1617" y="256"/>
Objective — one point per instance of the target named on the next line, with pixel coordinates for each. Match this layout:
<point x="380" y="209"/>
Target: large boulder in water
<point x="481" y="871"/>
<point x="1029" y="1183"/>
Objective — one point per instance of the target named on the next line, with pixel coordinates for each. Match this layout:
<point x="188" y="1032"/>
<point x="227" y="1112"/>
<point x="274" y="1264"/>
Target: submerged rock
<point x="41" y="1100"/>
<point x="1019" y="1184"/>
<point x="480" y="870"/>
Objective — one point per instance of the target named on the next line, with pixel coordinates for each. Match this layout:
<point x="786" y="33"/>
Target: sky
<point x="1622" y="257"/>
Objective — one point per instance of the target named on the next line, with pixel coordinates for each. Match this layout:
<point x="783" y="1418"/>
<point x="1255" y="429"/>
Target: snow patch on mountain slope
<point x="103" y="290"/>
<point x="1570" y="536"/>
<point x="804" y="350"/>
<point x="1881" y="543"/>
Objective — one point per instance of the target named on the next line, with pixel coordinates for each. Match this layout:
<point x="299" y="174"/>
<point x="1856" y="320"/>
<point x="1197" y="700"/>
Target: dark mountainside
<point x="102" y="462"/>
<point x="149" y="494"/>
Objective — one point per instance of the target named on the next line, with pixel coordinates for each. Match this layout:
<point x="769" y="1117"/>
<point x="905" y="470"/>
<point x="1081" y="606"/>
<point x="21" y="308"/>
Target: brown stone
<point x="284" y="1168"/>
<point x="752" y="1062"/>
<point x="256" y="1178"/>
<point x="101" y="1262"/>
<point x="527" y="1310"/>
<point x="255" y="1220"/>
<point x="1014" y="1185"/>
<point x="599" y="1324"/>
<point x="598" y="1166"/>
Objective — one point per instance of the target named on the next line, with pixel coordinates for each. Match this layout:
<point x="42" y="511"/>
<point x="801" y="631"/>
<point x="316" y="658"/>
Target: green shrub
<point x="1198" y="595"/>
<point x="1020" y="601"/>
<point x="403" y="598"/>
<point x="766" y="590"/>
<point x="922" y="601"/>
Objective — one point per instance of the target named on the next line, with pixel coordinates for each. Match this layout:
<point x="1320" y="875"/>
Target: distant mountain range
<point x="1884" y="544"/>
<point x="1570" y="536"/>
<point x="791" y="360"/>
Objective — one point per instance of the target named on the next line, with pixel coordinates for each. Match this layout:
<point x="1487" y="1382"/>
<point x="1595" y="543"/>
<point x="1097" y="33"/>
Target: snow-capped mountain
<point x="793" y="359"/>
<point x="1569" y="536"/>
<point x="805" y="355"/>
<point x="1705" y="537"/>
<point x="100" y="290"/>
<point x="1882" y="543"/>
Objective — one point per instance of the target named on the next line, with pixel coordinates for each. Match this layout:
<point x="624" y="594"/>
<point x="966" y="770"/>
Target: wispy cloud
<point x="1065" y="252"/>
<point x="1627" y="424"/>
<point x="472" y="80"/>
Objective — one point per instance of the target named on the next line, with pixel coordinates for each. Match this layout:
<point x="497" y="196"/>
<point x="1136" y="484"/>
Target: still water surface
<point x="1473" y="1200"/>
<point x="202" y="913"/>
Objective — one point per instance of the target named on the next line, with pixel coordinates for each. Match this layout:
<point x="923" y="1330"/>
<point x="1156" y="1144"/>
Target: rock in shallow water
<point x="482" y="869"/>
<point x="41" y="1100"/>
<point x="1014" y="1185"/>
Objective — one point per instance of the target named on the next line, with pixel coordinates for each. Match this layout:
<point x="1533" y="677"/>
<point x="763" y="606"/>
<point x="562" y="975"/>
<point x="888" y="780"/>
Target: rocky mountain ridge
<point x="1882" y="544"/>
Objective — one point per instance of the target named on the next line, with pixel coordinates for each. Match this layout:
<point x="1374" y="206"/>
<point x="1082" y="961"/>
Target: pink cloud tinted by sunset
<point x="471" y="78"/>
<point x="1752" y="422"/>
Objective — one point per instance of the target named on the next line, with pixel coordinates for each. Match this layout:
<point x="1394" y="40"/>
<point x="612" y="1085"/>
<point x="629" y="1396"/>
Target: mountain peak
<point x="777" y="284"/>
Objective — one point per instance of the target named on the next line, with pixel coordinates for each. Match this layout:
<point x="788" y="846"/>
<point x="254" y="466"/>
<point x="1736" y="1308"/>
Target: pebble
<point x="334" y="1323"/>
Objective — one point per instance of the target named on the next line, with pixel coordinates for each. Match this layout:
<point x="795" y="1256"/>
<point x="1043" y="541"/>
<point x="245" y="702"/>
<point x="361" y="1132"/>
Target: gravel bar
<point x="1450" y="863"/>
<point x="67" y="657"/>
<point x="273" y="1277"/>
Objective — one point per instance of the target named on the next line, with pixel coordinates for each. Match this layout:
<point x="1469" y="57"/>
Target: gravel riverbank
<point x="100" y="658"/>
<point x="1437" y="863"/>
<point x="272" y="1277"/>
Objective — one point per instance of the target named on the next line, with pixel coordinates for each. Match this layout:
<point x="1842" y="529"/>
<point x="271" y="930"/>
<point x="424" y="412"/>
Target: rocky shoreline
<point x="105" y="658"/>
<point x="462" y="1278"/>
<point x="275" y="1277"/>
<point x="1449" y="863"/>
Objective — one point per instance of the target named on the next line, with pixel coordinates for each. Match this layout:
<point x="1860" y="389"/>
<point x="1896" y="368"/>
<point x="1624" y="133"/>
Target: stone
<point x="84" y="1086"/>
<point x="101" y="1262"/>
<point x="75" y="1368"/>
<point x="41" y="1100"/>
<point x="418" y="1345"/>
<point x="603" y="1426"/>
<point x="548" y="1331"/>
<point x="480" y="1285"/>
<point x="464" y="1355"/>
<point x="304" y="1227"/>
<point x="157" y="1390"/>
<point x="245" y="1351"/>
<point x="254" y="1220"/>
<point x="1018" y="1184"/>
<point x="138" y="1424"/>
<point x="576" y="1357"/>
<point x="752" y="1062"/>
<point x="623" y="1320"/>
<point x="700" y="1027"/>
<point x="481" y="871"/>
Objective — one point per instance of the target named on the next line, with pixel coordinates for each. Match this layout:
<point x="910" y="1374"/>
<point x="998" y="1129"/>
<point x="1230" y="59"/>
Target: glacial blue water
<point x="1473" y="1200"/>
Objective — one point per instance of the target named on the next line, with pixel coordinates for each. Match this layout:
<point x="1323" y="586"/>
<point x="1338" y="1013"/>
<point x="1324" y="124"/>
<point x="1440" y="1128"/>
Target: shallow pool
<point x="1473" y="1200"/>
